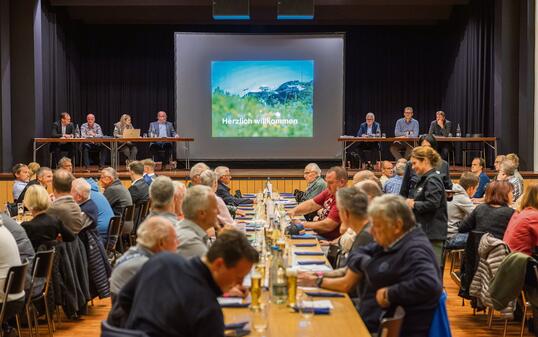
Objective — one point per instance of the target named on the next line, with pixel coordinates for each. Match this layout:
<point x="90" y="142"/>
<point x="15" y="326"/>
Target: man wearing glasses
<point x="387" y="170"/>
<point x="223" y="190"/>
<point x="316" y="185"/>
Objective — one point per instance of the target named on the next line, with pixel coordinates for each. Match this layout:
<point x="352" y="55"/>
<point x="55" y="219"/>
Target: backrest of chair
<point x="16" y="276"/>
<point x="390" y="327"/>
<point x="108" y="330"/>
<point x="114" y="231"/>
<point x="128" y="219"/>
<point x="42" y="268"/>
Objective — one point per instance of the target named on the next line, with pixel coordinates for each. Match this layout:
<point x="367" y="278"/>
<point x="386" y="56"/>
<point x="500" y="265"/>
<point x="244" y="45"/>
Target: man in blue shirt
<point x="394" y="184"/>
<point x="368" y="151"/>
<point x="162" y="129"/>
<point x="477" y="167"/>
<point x="406" y="127"/>
<point x="104" y="211"/>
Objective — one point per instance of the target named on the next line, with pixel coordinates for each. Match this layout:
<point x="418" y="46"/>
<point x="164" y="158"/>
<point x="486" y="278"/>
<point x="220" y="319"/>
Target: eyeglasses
<point x="307" y="172"/>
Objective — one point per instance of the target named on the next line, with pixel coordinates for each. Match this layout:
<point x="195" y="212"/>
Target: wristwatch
<point x="319" y="281"/>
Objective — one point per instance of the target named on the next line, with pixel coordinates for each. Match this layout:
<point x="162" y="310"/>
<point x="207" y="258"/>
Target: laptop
<point x="131" y="133"/>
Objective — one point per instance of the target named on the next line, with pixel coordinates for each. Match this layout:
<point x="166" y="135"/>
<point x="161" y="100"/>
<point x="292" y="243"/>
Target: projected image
<point x="262" y="98"/>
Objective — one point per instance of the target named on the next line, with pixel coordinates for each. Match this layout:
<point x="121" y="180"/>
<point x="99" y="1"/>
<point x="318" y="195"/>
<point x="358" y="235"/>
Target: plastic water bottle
<point x="378" y="133"/>
<point x="458" y="131"/>
<point x="77" y="132"/>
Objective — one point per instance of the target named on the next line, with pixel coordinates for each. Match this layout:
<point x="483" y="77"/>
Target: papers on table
<point x="319" y="304"/>
<point x="314" y="267"/>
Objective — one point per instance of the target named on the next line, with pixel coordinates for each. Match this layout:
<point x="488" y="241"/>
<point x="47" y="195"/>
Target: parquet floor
<point x="462" y="321"/>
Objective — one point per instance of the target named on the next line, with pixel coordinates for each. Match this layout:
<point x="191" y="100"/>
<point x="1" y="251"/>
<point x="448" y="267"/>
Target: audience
<point x="149" y="170"/>
<point x="80" y="190"/>
<point x="153" y="236"/>
<point x="400" y="269"/>
<point x="515" y="159"/>
<point x="459" y="207"/>
<point x="190" y="287"/>
<point x="506" y="173"/>
<point x="522" y="232"/>
<point x="64" y="206"/>
<point x="200" y="210"/>
<point x="129" y="149"/>
<point x="494" y="214"/>
<point x="179" y="195"/>
<point x="209" y="178"/>
<point x="66" y="164"/>
<point x="195" y="172"/>
<point x="43" y="229"/>
<point x="394" y="184"/>
<point x="386" y="172"/>
<point x="117" y="195"/>
<point x="9" y="256"/>
<point x="139" y="189"/>
<point x="223" y="190"/>
<point x="21" y="173"/>
<point x="104" y="211"/>
<point x="405" y="127"/>
<point x="90" y="129"/>
<point x="328" y="223"/>
<point x="161" y="194"/>
<point x="33" y="167"/>
<point x="477" y="167"/>
<point x="429" y="201"/>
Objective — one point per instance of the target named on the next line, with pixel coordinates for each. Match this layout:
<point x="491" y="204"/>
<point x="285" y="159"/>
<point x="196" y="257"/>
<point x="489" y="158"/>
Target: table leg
<point x="344" y="148"/>
<point x="187" y="156"/>
<point x="35" y="150"/>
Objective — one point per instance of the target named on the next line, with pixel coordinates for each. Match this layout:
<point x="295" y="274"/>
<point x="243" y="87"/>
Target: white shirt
<point x="9" y="256"/>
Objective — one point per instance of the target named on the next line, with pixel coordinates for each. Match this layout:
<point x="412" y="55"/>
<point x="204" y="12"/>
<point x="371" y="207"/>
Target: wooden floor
<point x="462" y="321"/>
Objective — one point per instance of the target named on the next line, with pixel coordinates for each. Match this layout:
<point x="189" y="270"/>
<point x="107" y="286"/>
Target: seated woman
<point x="129" y="150"/>
<point x="522" y="232"/>
<point x="399" y="269"/>
<point x="209" y="178"/>
<point x="43" y="229"/>
<point x="494" y="214"/>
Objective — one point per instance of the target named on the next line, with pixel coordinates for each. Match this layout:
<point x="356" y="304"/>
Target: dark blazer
<point x="223" y="191"/>
<point x="410" y="179"/>
<point x="118" y="197"/>
<point x="44" y="228"/>
<point x="170" y="132"/>
<point x="363" y="129"/>
<point x="139" y="191"/>
<point x="437" y="131"/>
<point x="57" y="129"/>
<point x="23" y="193"/>
<point x="430" y="205"/>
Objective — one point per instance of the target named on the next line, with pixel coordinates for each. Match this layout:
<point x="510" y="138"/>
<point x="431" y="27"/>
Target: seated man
<point x="81" y="191"/>
<point x="117" y="195"/>
<point x="62" y="129"/>
<point x="405" y="127"/>
<point x="315" y="185"/>
<point x="66" y="164"/>
<point x="399" y="269"/>
<point x="189" y="287"/>
<point x="161" y="194"/>
<point x="506" y="172"/>
<point x="21" y="173"/>
<point x="64" y="206"/>
<point x="223" y="190"/>
<point x="154" y="235"/>
<point x="515" y="159"/>
<point x="90" y="129"/>
<point x="104" y="211"/>
<point x="477" y="168"/>
<point x="387" y="170"/>
<point x="161" y="128"/>
<point x="43" y="178"/>
<point x="195" y="172"/>
<point x="369" y="128"/>
<point x="442" y="127"/>
<point x="200" y="210"/>
<point x="149" y="170"/>
<point x="459" y="207"/>
<point x="139" y="189"/>
<point x="394" y="184"/>
<point x="328" y="224"/>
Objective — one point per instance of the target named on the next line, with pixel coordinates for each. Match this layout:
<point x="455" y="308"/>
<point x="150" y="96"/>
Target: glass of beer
<point x="255" y="290"/>
<point x="20" y="211"/>
<point x="291" y="274"/>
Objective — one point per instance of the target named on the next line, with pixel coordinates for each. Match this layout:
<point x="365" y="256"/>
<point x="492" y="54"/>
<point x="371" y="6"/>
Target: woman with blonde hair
<point x="33" y="167"/>
<point x="429" y="202"/>
<point x="43" y="229"/>
<point x="522" y="232"/>
<point x="129" y="150"/>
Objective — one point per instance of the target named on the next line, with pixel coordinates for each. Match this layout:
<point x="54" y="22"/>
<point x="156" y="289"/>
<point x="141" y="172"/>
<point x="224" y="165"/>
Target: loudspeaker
<point x="231" y="9"/>
<point x="295" y="10"/>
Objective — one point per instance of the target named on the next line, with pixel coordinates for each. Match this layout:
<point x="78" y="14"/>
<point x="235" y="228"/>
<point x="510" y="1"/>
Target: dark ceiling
<point x="262" y="12"/>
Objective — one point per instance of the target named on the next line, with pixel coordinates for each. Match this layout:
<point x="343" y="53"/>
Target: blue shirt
<point x="162" y="130"/>
<point x="483" y="181"/>
<point x="406" y="129"/>
<point x="393" y="185"/>
<point x="104" y="211"/>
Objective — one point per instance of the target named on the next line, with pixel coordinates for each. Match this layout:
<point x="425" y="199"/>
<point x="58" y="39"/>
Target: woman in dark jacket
<point x="410" y="178"/>
<point x="43" y="229"/>
<point x="494" y="214"/>
<point x="429" y="203"/>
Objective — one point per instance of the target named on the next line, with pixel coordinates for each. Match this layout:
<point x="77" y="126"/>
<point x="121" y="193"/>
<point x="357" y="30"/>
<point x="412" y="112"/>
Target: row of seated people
<point x="64" y="128"/>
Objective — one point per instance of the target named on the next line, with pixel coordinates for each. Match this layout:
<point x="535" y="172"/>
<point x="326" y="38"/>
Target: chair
<point x="128" y="222"/>
<point x="108" y="330"/>
<point x="390" y="327"/>
<point x="16" y="276"/>
<point x="42" y="269"/>
<point x="141" y="211"/>
<point x="440" y="326"/>
<point x="114" y="231"/>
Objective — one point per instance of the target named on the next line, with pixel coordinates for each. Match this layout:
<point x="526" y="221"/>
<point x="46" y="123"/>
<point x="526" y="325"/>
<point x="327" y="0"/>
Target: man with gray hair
<point x="179" y="195"/>
<point x="223" y="190"/>
<point x="154" y="235"/>
<point x="117" y="195"/>
<point x="161" y="194"/>
<point x="394" y="184"/>
<point x="195" y="172"/>
<point x="506" y="172"/>
<point x="43" y="178"/>
<point x="64" y="206"/>
<point x="200" y="210"/>
<point x="369" y="128"/>
<point x="66" y="164"/>
<point x="315" y="183"/>
<point x="80" y="190"/>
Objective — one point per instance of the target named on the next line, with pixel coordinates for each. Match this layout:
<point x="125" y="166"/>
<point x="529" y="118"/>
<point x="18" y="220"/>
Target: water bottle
<point x="278" y="278"/>
<point x="77" y="132"/>
<point x="458" y="131"/>
<point x="378" y="133"/>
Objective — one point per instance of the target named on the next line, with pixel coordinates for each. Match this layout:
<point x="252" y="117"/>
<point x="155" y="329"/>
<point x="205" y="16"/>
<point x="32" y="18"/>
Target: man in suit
<point x="62" y="129"/>
<point x="117" y="195"/>
<point x="161" y="128"/>
<point x="149" y="170"/>
<point x="64" y="206"/>
<point x="139" y="189"/>
<point x="368" y="151"/>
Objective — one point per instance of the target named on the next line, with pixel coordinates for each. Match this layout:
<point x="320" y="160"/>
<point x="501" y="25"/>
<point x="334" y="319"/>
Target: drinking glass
<point x="145" y="135"/>
<point x="305" y="307"/>
<point x="383" y="135"/>
<point x="260" y="321"/>
<point x="20" y="211"/>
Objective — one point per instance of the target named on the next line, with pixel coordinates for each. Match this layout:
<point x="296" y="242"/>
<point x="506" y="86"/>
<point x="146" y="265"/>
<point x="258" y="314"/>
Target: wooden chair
<point x="390" y="327"/>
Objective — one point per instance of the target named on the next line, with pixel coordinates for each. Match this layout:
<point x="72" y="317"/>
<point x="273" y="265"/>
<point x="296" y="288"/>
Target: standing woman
<point x="429" y="203"/>
<point x="129" y="150"/>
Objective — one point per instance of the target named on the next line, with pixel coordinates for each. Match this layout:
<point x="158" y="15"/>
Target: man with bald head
<point x="90" y="129"/>
<point x="162" y="129"/>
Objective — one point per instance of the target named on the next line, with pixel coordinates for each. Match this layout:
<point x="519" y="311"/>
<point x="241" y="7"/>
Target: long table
<point x="113" y="145"/>
<point x="490" y="142"/>
<point x="343" y="321"/>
